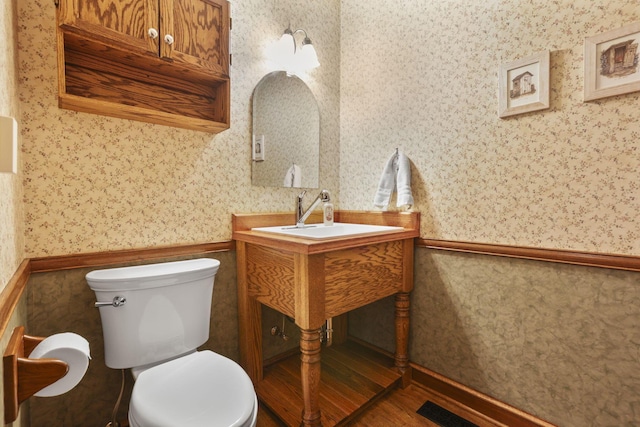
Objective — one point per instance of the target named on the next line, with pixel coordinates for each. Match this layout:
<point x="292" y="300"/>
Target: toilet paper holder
<point x="23" y="377"/>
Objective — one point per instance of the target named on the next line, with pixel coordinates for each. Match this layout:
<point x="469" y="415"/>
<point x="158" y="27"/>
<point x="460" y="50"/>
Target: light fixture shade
<point x="308" y="57"/>
<point x="291" y="57"/>
<point x="283" y="50"/>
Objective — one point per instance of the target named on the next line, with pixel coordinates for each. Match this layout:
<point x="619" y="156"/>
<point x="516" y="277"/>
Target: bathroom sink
<point x="321" y="231"/>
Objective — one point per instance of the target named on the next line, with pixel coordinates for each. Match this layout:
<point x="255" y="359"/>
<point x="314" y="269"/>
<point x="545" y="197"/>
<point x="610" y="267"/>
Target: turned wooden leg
<point x="402" y="337"/>
<point x="310" y="373"/>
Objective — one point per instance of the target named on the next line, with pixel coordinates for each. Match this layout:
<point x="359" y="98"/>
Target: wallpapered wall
<point x="558" y="341"/>
<point x="94" y="183"/>
<point x="11" y="207"/>
<point x="423" y="76"/>
<point x="419" y="76"/>
<point x="11" y="222"/>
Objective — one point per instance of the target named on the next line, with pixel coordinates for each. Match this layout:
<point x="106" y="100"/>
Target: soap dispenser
<point x="328" y="213"/>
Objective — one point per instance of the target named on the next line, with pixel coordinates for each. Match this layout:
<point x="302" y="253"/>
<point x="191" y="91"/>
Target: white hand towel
<point x="293" y="177"/>
<point x="387" y="184"/>
<point x="396" y="175"/>
<point x="403" y="182"/>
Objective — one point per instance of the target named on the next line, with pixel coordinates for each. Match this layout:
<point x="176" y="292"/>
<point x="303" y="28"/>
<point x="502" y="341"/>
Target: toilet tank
<point x="166" y="313"/>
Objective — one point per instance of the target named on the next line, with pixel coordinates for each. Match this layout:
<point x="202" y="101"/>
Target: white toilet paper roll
<point x="70" y="348"/>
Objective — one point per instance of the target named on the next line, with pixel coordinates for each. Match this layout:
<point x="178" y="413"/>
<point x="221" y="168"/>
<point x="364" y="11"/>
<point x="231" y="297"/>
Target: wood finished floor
<point x="398" y="408"/>
<point x="352" y="377"/>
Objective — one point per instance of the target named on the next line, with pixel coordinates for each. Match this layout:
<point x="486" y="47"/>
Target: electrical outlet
<point x="8" y="145"/>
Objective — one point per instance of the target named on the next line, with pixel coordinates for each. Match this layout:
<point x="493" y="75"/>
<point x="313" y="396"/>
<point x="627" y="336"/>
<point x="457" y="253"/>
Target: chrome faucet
<point x="301" y="215"/>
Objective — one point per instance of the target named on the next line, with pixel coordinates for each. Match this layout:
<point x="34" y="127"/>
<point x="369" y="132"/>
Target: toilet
<point x="153" y="319"/>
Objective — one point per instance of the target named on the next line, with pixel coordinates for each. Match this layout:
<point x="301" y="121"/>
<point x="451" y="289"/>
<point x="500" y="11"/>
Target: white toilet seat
<point x="202" y="389"/>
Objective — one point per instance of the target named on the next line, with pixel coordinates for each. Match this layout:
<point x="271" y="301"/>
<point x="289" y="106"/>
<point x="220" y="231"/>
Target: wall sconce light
<point x="291" y="59"/>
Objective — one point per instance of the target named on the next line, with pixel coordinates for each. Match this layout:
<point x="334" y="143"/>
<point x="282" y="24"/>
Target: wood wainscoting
<point x="15" y="287"/>
<point x="11" y="294"/>
<point x="13" y="291"/>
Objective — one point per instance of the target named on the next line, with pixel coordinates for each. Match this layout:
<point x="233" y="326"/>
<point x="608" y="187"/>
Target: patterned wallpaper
<point x="95" y="183"/>
<point x="423" y="76"/>
<point x="560" y="178"/>
<point x="11" y="215"/>
<point x="11" y="206"/>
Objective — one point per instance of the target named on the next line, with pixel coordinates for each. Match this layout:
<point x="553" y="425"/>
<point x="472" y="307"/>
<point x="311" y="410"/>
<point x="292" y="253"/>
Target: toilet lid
<point x="201" y="389"/>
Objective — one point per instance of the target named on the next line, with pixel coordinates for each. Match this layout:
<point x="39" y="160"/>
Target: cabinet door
<point x="199" y="33"/>
<point x="124" y="24"/>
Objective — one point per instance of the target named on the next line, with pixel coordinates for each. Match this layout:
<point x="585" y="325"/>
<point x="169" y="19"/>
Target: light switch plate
<point x="8" y="145"/>
<point x="258" y="148"/>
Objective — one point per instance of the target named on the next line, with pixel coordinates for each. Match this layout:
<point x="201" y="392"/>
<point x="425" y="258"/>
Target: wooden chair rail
<point x="96" y="259"/>
<point x="589" y="259"/>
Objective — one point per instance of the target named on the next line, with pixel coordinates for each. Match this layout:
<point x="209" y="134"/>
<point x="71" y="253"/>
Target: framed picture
<point x="611" y="63"/>
<point x="524" y="85"/>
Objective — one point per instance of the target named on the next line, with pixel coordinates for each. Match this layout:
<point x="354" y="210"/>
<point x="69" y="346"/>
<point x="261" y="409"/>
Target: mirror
<point x="286" y="133"/>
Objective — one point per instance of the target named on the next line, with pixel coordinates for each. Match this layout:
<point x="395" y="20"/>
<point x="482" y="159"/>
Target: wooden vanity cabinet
<point x="159" y="61"/>
<point x="311" y="281"/>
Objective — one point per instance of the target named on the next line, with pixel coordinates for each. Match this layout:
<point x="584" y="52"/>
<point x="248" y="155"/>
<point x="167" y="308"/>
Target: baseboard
<point x="466" y="396"/>
<point x="472" y="399"/>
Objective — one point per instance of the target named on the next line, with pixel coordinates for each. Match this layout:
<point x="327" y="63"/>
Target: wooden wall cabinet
<point x="158" y="61"/>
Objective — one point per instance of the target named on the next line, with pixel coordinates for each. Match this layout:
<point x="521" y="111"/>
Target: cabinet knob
<point x="168" y="39"/>
<point x="153" y="33"/>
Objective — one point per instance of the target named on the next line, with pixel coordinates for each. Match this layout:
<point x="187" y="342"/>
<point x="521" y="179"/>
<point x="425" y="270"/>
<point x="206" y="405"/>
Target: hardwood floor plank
<point x="378" y="372"/>
<point x="370" y="353"/>
<point x="266" y="418"/>
<point x="282" y="394"/>
<point x="350" y="374"/>
<point x="351" y="379"/>
<point x="350" y="382"/>
<point x="334" y="408"/>
<point x="398" y="408"/>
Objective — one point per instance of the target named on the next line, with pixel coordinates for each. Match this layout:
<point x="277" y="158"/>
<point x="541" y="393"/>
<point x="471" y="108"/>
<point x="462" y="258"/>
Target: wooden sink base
<point x="353" y="377"/>
<point x="312" y="281"/>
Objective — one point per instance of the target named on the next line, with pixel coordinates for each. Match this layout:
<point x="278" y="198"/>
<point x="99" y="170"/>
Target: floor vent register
<point x="442" y="417"/>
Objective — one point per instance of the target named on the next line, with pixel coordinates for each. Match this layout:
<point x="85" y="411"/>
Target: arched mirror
<point x="286" y="133"/>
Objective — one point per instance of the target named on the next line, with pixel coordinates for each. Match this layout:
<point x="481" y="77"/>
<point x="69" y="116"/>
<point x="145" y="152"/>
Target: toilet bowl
<point x="197" y="390"/>
<point x="153" y="319"/>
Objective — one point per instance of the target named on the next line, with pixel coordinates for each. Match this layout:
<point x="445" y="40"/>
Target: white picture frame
<point x="524" y="85"/>
<point x="611" y="65"/>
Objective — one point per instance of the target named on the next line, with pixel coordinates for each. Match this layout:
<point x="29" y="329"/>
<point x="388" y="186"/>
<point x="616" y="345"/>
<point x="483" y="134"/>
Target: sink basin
<point x="320" y="231"/>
